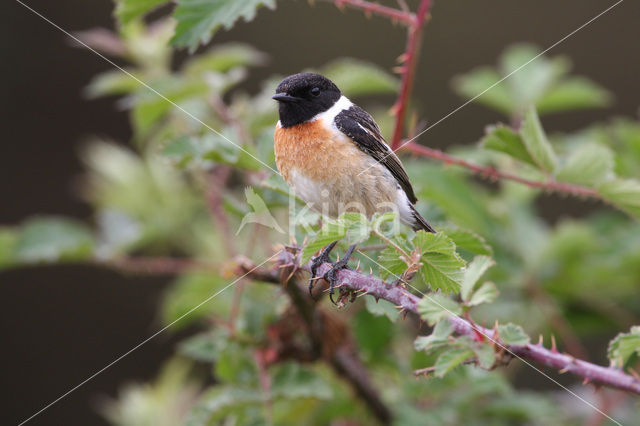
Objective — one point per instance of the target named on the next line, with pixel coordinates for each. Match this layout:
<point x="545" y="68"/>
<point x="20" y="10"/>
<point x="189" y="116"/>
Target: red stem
<point x="410" y="59"/>
<point x="406" y="18"/>
<point x="493" y="174"/>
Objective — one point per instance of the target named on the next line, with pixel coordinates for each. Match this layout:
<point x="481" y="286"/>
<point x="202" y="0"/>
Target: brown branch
<point x="400" y="297"/>
<point x="330" y="339"/>
<point x="402" y="16"/>
<point x="492" y="174"/>
<point x="410" y="60"/>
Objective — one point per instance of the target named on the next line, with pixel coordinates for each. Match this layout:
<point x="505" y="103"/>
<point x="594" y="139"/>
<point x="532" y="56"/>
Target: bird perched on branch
<point x="332" y="154"/>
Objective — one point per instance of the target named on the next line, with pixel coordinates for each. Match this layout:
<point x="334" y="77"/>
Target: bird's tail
<point x="421" y="222"/>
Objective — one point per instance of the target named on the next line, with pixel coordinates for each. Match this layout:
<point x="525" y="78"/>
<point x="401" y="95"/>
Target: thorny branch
<point x="402" y="16"/>
<point x="408" y="70"/>
<point x="399" y="296"/>
<point x="493" y="174"/>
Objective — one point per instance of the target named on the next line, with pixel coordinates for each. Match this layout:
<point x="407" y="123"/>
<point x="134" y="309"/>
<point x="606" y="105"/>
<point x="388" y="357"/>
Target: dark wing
<point x="363" y="130"/>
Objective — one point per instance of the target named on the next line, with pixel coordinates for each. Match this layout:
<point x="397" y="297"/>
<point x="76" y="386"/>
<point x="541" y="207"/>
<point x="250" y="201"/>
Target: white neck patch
<point x="329" y="115"/>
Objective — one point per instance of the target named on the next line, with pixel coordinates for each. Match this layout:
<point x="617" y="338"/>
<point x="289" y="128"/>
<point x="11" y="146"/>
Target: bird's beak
<point x="283" y="97"/>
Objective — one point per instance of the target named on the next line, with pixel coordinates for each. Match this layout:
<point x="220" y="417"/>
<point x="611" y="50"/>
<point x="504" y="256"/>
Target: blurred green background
<point x="61" y="324"/>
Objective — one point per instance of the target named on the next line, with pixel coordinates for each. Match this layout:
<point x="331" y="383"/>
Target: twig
<point x="157" y="265"/>
<point x="217" y="182"/>
<point x="407" y="18"/>
<point x="399" y="296"/>
<point x="493" y="174"/>
<point x="410" y="60"/>
<point x="329" y="335"/>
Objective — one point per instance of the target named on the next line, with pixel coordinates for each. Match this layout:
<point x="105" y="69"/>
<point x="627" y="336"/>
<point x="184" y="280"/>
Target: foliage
<point x="200" y="161"/>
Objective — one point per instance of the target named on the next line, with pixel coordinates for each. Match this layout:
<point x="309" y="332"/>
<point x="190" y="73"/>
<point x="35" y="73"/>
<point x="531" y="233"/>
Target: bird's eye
<point x="315" y="91"/>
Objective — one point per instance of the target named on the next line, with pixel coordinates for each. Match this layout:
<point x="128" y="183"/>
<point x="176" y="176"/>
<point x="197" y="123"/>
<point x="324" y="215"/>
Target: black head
<point x="302" y="96"/>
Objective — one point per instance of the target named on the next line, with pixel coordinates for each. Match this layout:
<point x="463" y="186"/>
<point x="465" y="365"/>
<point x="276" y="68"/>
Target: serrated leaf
<point x="357" y="78"/>
<point x="49" y="239"/>
<point x="572" y="94"/>
<point x="487" y="293"/>
<point x="511" y="334"/>
<point x="450" y="359"/>
<point x="503" y="139"/>
<point x="590" y="165"/>
<point x="623" y="347"/>
<point x="128" y="10"/>
<point x="536" y="141"/>
<point x="434" y="307"/>
<point x="478" y="81"/>
<point x="381" y="307"/>
<point x="390" y="263"/>
<point x="624" y="194"/>
<point x="199" y="19"/>
<point x="475" y="269"/>
<point x="438" y="337"/>
<point x="468" y="240"/>
<point x="485" y="354"/>
<point x="441" y="266"/>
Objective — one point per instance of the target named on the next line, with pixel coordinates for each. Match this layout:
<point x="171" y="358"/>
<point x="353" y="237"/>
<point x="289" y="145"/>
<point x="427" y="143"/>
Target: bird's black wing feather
<point x="365" y="133"/>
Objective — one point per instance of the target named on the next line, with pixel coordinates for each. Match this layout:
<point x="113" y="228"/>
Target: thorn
<point x="634" y="373"/>
<point x="564" y="370"/>
<point x="370" y="271"/>
<point x="586" y="381"/>
<point x="540" y="340"/>
<point x="404" y="316"/>
<point x="377" y="298"/>
<point x="358" y="266"/>
<point x="554" y="348"/>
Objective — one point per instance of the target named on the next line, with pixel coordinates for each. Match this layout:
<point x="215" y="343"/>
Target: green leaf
<point x="50" y="239"/>
<point x="503" y="139"/>
<point x="476" y="268"/>
<point x="183" y="304"/>
<point x="485" y="354"/>
<point x="381" y="308"/>
<point x="355" y="226"/>
<point x="511" y="334"/>
<point x="450" y="359"/>
<point x="572" y="94"/>
<point x="624" y="347"/>
<point x="434" y="307"/>
<point x="390" y="263"/>
<point x="487" y="293"/>
<point x="211" y="148"/>
<point x="357" y="78"/>
<point x="624" y="194"/>
<point x="441" y="266"/>
<point x="224" y="58"/>
<point x="220" y="401"/>
<point x="8" y="239"/>
<point x="438" y="337"/>
<point x="113" y="82"/>
<point x="536" y="141"/>
<point x="478" y="81"/>
<point x="467" y="240"/>
<point x="199" y="19"/>
<point x="530" y="75"/>
<point x="291" y="381"/>
<point x="205" y="347"/>
<point x="128" y="10"/>
<point x="589" y="165"/>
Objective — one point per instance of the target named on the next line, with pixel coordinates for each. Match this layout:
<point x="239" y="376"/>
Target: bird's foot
<point x="323" y="257"/>
<point x="331" y="275"/>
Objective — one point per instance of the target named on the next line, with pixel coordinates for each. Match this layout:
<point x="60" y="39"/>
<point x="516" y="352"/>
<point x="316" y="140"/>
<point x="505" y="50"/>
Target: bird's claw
<point x="323" y="257"/>
<point x="331" y="275"/>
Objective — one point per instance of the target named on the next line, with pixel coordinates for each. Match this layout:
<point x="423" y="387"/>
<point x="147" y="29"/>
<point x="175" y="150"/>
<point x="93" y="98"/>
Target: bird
<point x="332" y="154"/>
